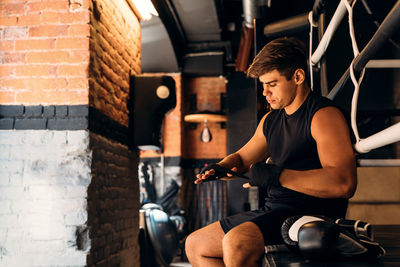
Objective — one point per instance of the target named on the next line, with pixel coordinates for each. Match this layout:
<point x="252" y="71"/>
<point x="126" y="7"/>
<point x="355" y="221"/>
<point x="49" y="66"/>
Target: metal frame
<point x="383" y="63"/>
<point x="378" y="162"/>
<point x="330" y="30"/>
<point x="388" y="27"/>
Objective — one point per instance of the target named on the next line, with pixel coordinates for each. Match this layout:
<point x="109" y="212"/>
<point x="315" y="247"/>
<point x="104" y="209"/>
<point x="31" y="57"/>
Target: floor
<point x="387" y="235"/>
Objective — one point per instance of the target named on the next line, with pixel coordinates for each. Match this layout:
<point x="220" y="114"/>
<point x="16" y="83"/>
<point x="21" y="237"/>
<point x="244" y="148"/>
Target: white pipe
<point x="379" y="162"/>
<point x="382" y="138"/>
<point x="383" y="63"/>
<point x="330" y="30"/>
<point x="310" y="50"/>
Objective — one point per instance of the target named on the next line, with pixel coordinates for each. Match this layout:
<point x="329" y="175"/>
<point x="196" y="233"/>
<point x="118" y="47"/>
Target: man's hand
<point x="264" y="175"/>
<point x="246" y="185"/>
<point x="215" y="172"/>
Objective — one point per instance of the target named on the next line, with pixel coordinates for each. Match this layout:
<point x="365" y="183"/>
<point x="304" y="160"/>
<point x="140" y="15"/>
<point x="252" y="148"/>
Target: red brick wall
<point x="115" y="51"/>
<point x="179" y="139"/>
<point x="208" y="91"/>
<point x="173" y="124"/>
<point x="44" y="52"/>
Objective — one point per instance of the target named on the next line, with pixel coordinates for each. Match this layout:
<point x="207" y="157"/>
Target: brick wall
<point x="44" y="53"/>
<point x="115" y="47"/>
<point x="59" y="205"/>
<point x="43" y="188"/>
<point x="113" y="204"/>
<point x="173" y="124"/>
<point x="208" y="91"/>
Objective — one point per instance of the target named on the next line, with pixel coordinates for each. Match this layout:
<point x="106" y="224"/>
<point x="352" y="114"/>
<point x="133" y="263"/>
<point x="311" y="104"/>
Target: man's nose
<point x="266" y="91"/>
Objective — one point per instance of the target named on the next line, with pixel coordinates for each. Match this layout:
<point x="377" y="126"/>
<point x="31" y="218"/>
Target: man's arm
<point x="338" y="176"/>
<point x="254" y="150"/>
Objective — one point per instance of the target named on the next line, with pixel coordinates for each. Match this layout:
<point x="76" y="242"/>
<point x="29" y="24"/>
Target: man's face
<point x="278" y="91"/>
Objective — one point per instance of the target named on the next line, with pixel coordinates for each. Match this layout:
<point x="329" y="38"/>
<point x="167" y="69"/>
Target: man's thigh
<point x="269" y="222"/>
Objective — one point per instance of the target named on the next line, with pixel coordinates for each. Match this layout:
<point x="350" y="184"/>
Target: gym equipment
<point x="321" y="238"/>
<point x="356" y="227"/>
<point x="291" y="226"/>
<point x="162" y="232"/>
<point x="388" y="27"/>
<point x="161" y="224"/>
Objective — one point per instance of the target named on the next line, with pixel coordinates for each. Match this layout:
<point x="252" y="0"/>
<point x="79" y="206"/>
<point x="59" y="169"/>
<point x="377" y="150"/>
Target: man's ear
<point x="299" y="76"/>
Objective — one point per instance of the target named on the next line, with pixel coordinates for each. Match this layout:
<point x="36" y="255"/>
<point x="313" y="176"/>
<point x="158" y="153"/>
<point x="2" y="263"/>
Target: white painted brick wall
<point x="44" y="176"/>
<point x="5" y="206"/>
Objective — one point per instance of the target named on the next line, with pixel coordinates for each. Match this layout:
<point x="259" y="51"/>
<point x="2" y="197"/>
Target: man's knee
<point x="206" y="241"/>
<point x="244" y="243"/>
<point x="232" y="242"/>
<point x="239" y="242"/>
<point x="190" y="244"/>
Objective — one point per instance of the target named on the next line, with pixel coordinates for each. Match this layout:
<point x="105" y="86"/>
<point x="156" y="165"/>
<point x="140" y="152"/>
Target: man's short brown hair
<point x="286" y="55"/>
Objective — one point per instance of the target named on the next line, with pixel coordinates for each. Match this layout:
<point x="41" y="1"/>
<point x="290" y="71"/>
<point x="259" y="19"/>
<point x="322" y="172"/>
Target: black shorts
<point x="269" y="219"/>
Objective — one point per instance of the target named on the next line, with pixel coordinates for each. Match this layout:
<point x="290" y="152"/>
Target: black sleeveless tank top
<point x="292" y="146"/>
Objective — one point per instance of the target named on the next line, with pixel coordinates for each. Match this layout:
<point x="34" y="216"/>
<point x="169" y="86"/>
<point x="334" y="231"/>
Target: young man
<point x="313" y="167"/>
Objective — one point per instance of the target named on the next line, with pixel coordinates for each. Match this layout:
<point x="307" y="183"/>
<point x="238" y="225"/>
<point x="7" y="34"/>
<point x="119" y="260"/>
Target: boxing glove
<point x="360" y="229"/>
<point x="291" y="226"/>
<point x="324" y="240"/>
<point x="320" y="238"/>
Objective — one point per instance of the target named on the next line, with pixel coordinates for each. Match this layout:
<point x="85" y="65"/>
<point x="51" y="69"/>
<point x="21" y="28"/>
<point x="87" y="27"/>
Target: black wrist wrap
<point x="264" y="175"/>
<point x="218" y="172"/>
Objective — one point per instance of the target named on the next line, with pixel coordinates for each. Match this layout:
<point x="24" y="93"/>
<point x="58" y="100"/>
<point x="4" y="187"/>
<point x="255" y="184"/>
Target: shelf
<point x="197" y="118"/>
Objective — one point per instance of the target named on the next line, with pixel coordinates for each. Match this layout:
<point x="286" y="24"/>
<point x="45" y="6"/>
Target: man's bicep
<point x="330" y="131"/>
